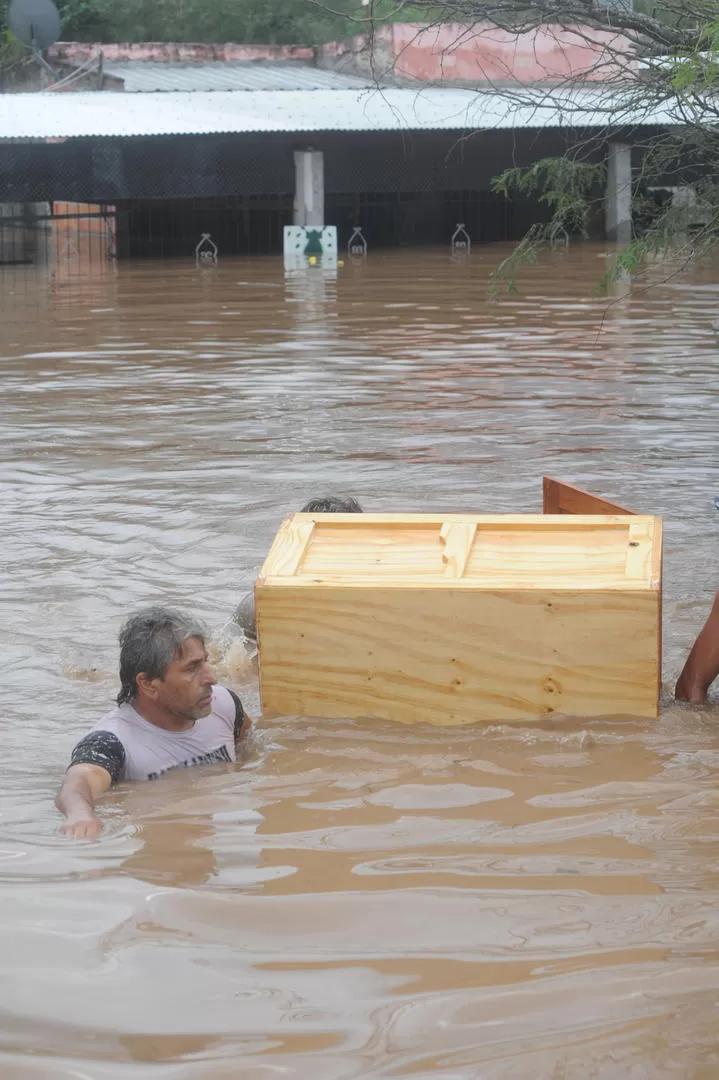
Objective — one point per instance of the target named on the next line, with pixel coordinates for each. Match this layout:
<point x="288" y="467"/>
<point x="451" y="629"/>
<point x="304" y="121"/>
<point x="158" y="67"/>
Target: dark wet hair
<point x="149" y="642"/>
<point x="332" y="504"/>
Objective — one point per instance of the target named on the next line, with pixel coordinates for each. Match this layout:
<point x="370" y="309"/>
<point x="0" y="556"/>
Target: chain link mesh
<point x="155" y="197"/>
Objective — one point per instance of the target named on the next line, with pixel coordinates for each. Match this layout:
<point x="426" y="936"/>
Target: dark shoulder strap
<point x="239" y="713"/>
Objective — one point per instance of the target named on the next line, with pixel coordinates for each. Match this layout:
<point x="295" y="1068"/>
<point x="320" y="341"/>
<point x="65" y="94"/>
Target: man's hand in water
<point x="86" y="827"/>
<point x="83" y="784"/>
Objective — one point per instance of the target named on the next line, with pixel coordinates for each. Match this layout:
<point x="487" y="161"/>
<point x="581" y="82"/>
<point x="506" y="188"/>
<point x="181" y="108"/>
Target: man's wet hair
<point x="149" y="641"/>
<point x="332" y="504"/>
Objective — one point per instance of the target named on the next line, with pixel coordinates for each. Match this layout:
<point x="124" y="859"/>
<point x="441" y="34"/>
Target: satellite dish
<point x="36" y="23"/>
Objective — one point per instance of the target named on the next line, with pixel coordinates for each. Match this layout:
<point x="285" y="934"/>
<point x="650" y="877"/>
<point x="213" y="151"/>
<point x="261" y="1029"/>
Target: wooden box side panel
<point x="559" y="498"/>
<point x="452" y="657"/>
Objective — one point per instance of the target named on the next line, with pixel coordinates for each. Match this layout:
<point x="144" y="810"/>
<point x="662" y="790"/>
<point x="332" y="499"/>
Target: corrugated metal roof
<point x="82" y="115"/>
<point x="142" y="76"/>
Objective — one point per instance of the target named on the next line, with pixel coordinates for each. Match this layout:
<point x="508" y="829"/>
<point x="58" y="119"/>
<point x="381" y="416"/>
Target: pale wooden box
<point x="454" y="619"/>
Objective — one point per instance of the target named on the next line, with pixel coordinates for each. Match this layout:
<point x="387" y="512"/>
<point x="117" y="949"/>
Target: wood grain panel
<point x="461" y="618"/>
<point x="562" y="498"/>
<point x="455" y="656"/>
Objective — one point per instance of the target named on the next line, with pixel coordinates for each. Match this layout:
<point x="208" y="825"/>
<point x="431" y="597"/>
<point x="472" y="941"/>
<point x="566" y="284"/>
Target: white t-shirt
<point x="131" y="748"/>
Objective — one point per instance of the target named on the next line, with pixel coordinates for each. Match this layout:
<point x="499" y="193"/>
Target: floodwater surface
<point x="356" y="899"/>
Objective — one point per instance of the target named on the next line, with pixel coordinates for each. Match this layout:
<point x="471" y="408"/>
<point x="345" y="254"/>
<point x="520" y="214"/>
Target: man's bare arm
<point x="81" y="788"/>
<point x="702" y="666"/>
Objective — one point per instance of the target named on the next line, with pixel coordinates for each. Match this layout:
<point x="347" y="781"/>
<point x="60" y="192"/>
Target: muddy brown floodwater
<point x="358" y="900"/>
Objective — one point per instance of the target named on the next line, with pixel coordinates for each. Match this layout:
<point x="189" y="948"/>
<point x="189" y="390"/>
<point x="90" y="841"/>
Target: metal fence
<point x="67" y="239"/>
<point x="76" y="206"/>
<point x="58" y="238"/>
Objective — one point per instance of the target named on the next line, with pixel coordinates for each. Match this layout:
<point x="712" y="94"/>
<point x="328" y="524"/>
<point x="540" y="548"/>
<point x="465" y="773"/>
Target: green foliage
<point x="667" y="232"/>
<point x="265" y="22"/>
<point x="696" y="72"/>
<point x="504" y="278"/>
<point x="570" y="188"/>
<point x="680" y="234"/>
<point x="295" y="22"/>
<point x="11" y="51"/>
<point x="563" y="184"/>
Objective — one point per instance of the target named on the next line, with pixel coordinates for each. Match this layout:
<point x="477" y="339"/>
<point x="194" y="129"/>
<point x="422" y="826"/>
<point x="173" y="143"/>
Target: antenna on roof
<point x="36" y="23"/>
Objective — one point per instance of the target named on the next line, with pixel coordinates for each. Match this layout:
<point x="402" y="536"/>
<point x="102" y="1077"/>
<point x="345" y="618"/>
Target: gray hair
<point x="149" y="641"/>
<point x="332" y="504"/>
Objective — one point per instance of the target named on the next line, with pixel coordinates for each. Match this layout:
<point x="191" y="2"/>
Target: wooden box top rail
<point x="468" y="551"/>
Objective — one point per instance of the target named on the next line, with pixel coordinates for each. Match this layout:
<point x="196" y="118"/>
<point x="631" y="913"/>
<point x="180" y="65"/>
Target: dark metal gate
<point x="62" y="239"/>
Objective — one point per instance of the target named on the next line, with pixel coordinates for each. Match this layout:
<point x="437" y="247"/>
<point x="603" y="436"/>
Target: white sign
<point x="309" y="245"/>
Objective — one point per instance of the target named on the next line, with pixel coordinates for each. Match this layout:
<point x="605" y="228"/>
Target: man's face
<point x="187" y="686"/>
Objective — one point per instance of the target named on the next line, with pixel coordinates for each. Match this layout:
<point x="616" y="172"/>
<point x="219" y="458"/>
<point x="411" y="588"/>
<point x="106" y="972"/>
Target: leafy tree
<point x="656" y="57"/>
<point x="296" y="22"/>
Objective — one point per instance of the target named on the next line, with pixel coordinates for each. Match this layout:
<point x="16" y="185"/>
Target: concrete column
<point x="618" y="200"/>
<point x="309" y="188"/>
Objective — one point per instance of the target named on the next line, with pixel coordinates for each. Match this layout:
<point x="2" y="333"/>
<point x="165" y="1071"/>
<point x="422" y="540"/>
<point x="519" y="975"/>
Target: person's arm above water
<point x="97" y="761"/>
<point x="82" y="786"/>
<point x="702" y="666"/>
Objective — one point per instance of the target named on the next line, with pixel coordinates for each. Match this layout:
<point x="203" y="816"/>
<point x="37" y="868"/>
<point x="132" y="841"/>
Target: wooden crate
<point x="459" y="618"/>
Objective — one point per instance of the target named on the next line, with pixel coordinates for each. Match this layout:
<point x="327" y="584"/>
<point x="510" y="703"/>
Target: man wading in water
<point x="170" y="715"/>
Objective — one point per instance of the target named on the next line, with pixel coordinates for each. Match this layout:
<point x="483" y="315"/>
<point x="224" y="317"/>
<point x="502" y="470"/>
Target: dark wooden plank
<point x="562" y="498"/>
